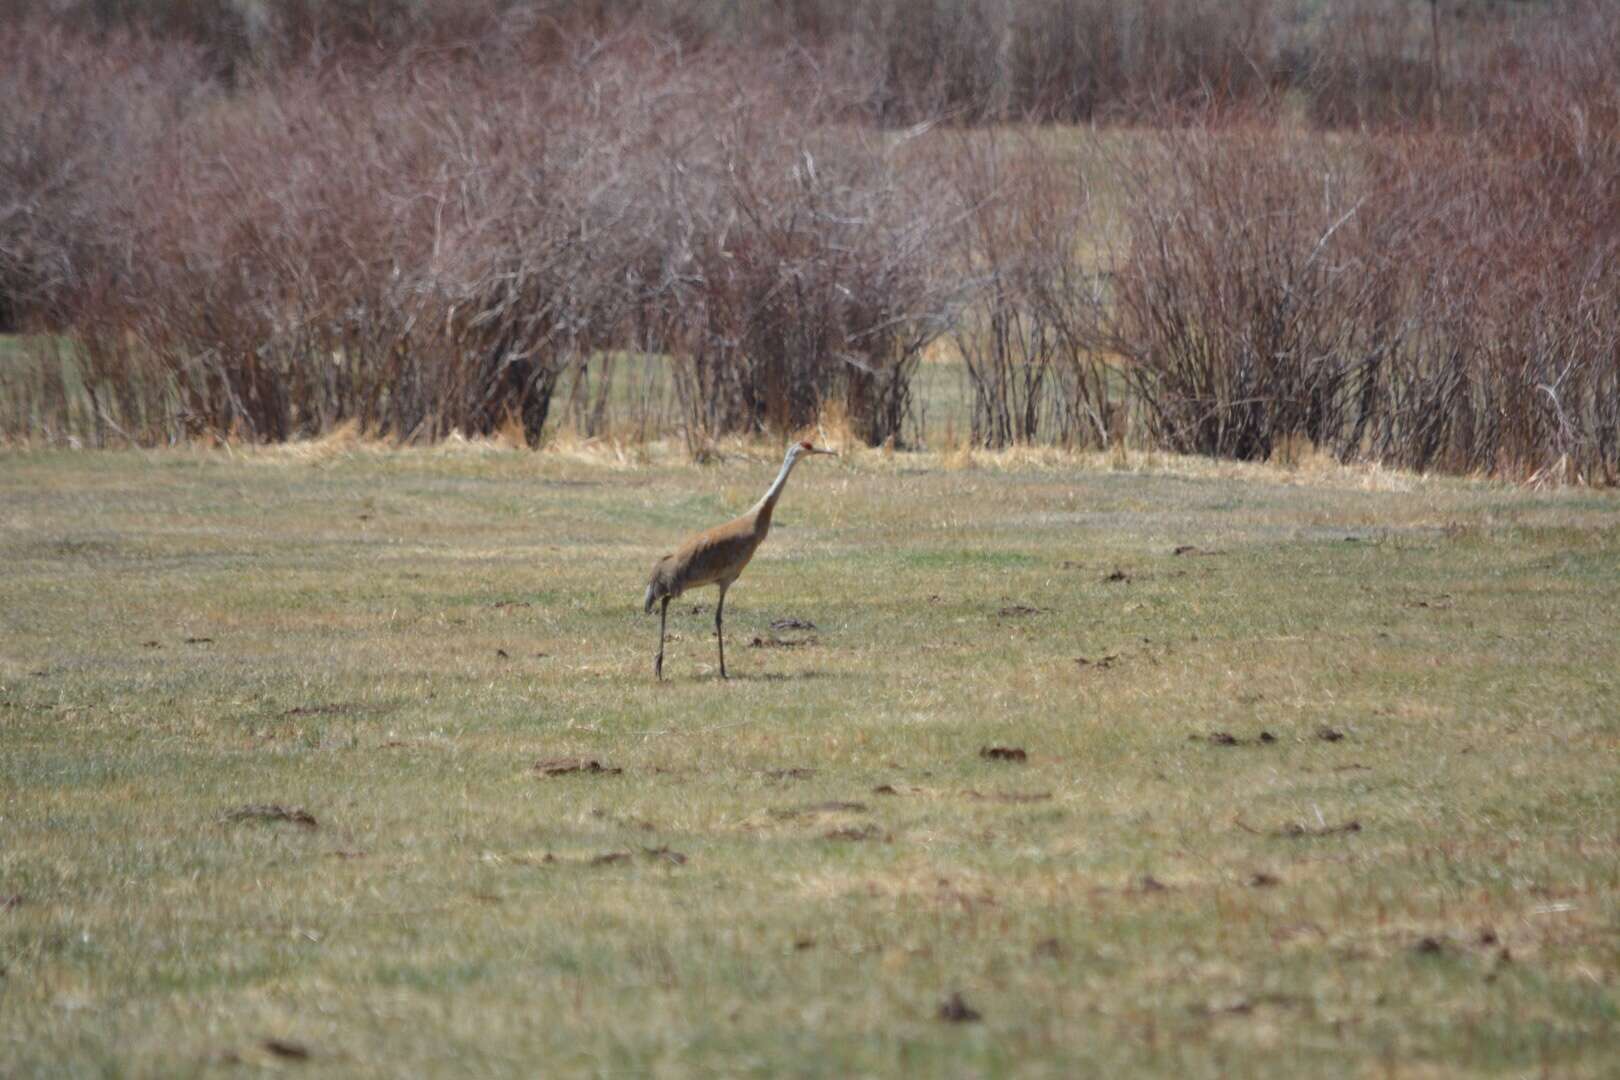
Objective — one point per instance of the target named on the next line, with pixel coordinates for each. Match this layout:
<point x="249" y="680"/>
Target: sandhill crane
<point x="717" y="556"/>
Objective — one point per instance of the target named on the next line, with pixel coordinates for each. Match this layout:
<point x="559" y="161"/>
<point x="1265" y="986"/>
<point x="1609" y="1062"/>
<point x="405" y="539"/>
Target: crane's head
<point x="798" y="450"/>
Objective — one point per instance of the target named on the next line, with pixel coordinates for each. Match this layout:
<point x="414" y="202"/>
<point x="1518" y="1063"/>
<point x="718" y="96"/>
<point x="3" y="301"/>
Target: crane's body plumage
<point x="711" y="556"/>
<point x="716" y="557"/>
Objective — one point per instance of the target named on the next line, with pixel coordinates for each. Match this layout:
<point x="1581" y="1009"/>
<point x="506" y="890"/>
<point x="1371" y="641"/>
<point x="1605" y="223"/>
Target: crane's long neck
<point x="763" y="508"/>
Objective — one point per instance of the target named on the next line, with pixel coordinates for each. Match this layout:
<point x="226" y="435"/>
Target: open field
<point x="1404" y="860"/>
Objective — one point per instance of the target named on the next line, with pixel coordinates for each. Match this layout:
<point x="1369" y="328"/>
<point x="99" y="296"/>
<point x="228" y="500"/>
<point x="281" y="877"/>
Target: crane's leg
<point x="719" y="628"/>
<point x="658" y="663"/>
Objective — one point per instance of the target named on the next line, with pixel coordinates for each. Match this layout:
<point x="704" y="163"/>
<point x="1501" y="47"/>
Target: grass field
<point x="1333" y="791"/>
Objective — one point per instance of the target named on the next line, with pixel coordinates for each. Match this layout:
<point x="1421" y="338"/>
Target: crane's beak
<point x="819" y="450"/>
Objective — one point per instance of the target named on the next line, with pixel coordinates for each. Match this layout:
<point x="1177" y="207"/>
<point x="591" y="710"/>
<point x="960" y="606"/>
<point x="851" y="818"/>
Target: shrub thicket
<point x="264" y="221"/>
<point x="1434" y="298"/>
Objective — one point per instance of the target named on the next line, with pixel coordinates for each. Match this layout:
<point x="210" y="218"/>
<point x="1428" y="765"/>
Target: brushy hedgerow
<point x="432" y="232"/>
<point x="1433" y="300"/>
<point x="429" y="248"/>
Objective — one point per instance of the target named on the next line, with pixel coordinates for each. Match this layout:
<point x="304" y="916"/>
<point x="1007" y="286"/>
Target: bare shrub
<point x="271" y="253"/>
<point x="1429" y="300"/>
<point x="1246" y="302"/>
<point x="559" y="230"/>
<point x="75" y="120"/>
<point x="816" y="284"/>
<point x="1030" y="295"/>
<point x="422" y="249"/>
<point x="1513" y="367"/>
<point x="422" y="222"/>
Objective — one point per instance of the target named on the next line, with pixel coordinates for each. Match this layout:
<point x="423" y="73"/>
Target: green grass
<point x="449" y="915"/>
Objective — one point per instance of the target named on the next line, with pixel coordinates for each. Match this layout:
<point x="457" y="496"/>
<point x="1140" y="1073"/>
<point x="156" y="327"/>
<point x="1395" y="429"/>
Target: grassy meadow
<point x="1319" y="770"/>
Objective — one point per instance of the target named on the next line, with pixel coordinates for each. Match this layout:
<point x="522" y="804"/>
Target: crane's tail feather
<point x="652" y="598"/>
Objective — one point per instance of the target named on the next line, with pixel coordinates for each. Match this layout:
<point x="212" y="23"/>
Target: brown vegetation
<point x="429" y="218"/>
